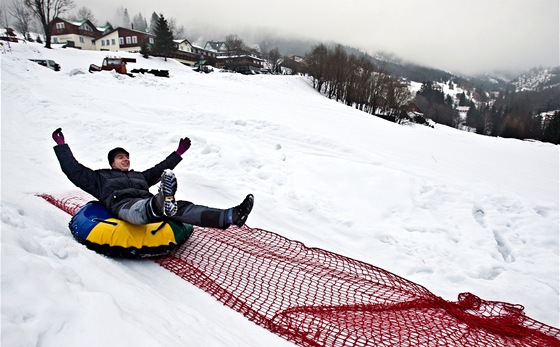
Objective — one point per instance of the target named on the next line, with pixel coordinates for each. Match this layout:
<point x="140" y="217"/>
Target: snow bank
<point x="450" y="210"/>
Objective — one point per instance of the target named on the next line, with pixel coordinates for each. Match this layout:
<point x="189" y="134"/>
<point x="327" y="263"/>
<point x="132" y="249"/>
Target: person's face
<point x="121" y="162"/>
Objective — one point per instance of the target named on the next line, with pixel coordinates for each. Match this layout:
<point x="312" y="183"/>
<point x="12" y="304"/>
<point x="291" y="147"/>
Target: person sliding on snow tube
<point x="125" y="193"/>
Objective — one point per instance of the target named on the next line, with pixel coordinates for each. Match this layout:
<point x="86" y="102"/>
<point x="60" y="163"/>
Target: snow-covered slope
<point x="450" y="210"/>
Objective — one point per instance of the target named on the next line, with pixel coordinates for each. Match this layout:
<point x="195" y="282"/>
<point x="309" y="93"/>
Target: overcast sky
<point x="467" y="36"/>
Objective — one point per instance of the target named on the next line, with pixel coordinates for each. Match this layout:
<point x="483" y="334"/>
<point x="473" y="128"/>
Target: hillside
<point x="450" y="210"/>
<point x="538" y="79"/>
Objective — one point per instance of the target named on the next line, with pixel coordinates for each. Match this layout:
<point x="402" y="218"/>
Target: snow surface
<point x="452" y="211"/>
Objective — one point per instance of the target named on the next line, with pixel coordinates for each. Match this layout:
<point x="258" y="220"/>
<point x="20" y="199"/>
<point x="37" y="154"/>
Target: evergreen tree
<point x="474" y="118"/>
<point x="463" y="101"/>
<point x="109" y="26"/>
<point x="145" y="49"/>
<point x="153" y="23"/>
<point x="164" y="44"/>
<point x="139" y="23"/>
<point x="552" y="129"/>
<point x="127" y="23"/>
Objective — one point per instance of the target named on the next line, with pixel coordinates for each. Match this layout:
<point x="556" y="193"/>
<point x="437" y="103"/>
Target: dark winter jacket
<point x="112" y="187"/>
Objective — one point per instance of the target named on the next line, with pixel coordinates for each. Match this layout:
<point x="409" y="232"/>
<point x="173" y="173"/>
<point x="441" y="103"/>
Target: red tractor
<point x="119" y="65"/>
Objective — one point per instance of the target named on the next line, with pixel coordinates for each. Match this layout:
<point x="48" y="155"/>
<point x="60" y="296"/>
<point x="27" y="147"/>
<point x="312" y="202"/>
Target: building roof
<point x="215" y="45"/>
<point x="121" y="28"/>
<point x="80" y="22"/>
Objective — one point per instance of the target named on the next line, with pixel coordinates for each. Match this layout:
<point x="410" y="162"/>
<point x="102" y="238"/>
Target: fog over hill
<point x="482" y="36"/>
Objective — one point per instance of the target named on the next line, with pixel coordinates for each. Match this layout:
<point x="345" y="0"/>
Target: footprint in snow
<point x="478" y="214"/>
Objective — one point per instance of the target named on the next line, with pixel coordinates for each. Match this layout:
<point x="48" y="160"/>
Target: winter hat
<point x="113" y="153"/>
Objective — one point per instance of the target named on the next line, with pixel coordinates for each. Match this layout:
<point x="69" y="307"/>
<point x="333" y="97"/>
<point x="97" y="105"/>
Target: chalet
<point x="184" y="46"/>
<point x="463" y="110"/>
<point x="298" y="59"/>
<point x="219" y="47"/>
<point x="189" y="54"/>
<point x="75" y="33"/>
<point x="185" y="53"/>
<point x="246" y="64"/>
<point x="123" y="39"/>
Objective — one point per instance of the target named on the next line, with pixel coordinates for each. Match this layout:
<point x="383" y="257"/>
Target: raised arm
<point x="83" y="177"/>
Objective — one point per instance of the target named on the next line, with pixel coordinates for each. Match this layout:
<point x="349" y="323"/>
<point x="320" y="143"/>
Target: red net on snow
<point x="317" y="298"/>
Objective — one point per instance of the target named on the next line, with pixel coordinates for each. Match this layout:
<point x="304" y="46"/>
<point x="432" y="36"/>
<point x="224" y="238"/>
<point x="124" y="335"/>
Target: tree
<point x="512" y="127"/>
<point x="139" y="23"/>
<point x="474" y="118"/>
<point x="235" y="45"/>
<point x="317" y="65"/>
<point x="463" y="101"/>
<point x="46" y="11"/>
<point x="358" y="82"/>
<point x="177" y="31"/>
<point x="4" y="23"/>
<point x="153" y="23"/>
<point x="85" y="13"/>
<point x="145" y="49"/>
<point x="338" y="72"/>
<point x="121" y="18"/>
<point x="164" y="44"/>
<point x="438" y="107"/>
<point x="552" y="129"/>
<point x="22" y="16"/>
<point x="274" y="59"/>
<point x="109" y="26"/>
<point x="127" y="23"/>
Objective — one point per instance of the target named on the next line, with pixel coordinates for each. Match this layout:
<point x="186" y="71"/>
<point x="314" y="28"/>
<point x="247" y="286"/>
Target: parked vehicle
<point x="203" y="68"/>
<point x="119" y="65"/>
<point x="51" y="64"/>
<point x="246" y="72"/>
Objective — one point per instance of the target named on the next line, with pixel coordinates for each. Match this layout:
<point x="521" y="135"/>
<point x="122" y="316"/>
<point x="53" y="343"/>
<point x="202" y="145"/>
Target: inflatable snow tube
<point x="94" y="226"/>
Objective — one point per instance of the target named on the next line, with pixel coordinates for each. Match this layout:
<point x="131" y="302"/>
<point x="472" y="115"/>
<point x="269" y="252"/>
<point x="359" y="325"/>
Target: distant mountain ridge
<point x="538" y="79"/>
<point x="534" y="80"/>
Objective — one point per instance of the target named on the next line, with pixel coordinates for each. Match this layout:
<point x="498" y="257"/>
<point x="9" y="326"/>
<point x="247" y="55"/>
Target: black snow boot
<point x="164" y="201"/>
<point x="241" y="212"/>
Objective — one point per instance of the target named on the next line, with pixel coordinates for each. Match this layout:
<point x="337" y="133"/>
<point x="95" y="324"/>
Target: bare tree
<point x="178" y="32"/>
<point x="46" y="10"/>
<point x="274" y="59"/>
<point x="317" y="65"/>
<point x="85" y="13"/>
<point x="4" y="16"/>
<point x="235" y="45"/>
<point x="22" y="16"/>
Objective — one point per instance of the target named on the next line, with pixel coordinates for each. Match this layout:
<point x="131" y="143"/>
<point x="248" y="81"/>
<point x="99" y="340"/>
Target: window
<point x="102" y="42"/>
<point x="121" y="41"/>
<point x="128" y="40"/>
<point x="60" y="25"/>
<point x="134" y="39"/>
<point x="151" y="40"/>
<point x="113" y="42"/>
<point x="81" y="39"/>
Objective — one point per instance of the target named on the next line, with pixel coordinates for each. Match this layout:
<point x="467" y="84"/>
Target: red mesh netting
<point x="317" y="298"/>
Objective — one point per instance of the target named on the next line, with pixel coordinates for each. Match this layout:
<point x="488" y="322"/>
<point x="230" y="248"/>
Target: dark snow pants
<point x="137" y="211"/>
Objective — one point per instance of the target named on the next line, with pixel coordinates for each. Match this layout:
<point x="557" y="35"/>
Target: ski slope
<point x="452" y="211"/>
